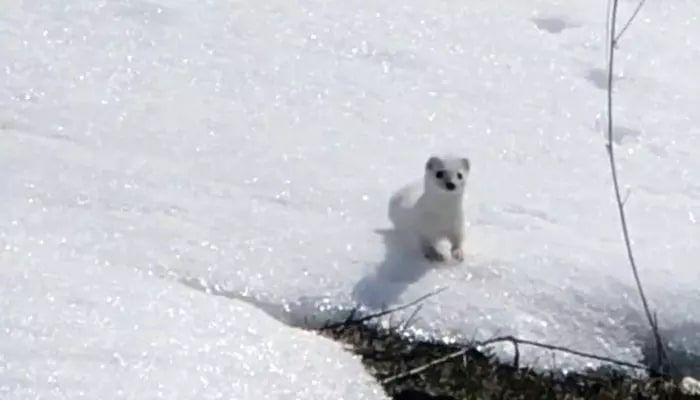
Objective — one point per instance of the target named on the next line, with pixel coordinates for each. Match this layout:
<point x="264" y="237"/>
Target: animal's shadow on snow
<point x="403" y="265"/>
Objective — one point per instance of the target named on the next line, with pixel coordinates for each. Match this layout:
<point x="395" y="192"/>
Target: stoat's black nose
<point x="450" y="186"/>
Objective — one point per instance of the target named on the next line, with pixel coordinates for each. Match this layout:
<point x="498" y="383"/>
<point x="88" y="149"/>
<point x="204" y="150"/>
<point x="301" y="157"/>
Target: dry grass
<point x="476" y="375"/>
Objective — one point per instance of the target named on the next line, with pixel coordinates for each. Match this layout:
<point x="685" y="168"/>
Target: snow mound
<point x="74" y="330"/>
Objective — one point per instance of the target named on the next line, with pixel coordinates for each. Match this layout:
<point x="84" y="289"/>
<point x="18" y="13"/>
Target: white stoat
<point x="433" y="210"/>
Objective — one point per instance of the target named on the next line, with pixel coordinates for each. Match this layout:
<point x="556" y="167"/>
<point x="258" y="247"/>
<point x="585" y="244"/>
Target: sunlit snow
<point x="74" y="329"/>
<point x="254" y="145"/>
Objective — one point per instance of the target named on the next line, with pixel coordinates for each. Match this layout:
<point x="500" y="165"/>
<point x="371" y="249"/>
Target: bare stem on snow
<point x="613" y="38"/>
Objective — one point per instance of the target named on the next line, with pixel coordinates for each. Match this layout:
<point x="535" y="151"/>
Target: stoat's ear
<point x="466" y="164"/>
<point x="433" y="164"/>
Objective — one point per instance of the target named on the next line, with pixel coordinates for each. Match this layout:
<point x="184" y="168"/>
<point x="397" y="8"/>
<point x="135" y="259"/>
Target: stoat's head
<point x="446" y="174"/>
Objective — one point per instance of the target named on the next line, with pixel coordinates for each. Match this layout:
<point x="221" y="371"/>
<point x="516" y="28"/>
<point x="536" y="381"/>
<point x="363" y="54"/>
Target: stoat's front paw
<point x="458" y="254"/>
<point x="431" y="254"/>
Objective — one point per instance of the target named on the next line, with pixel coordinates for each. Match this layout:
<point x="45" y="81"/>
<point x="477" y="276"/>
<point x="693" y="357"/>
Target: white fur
<point x="431" y="213"/>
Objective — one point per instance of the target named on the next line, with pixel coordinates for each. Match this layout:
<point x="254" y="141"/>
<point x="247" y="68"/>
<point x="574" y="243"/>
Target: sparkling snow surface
<point x="254" y="145"/>
<point x="73" y="329"/>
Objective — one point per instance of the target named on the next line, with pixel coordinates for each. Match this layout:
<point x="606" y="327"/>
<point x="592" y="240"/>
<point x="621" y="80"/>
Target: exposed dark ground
<point x="477" y="375"/>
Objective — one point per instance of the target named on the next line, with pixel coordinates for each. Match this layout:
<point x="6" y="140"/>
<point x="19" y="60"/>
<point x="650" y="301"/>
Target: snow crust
<point x="255" y="145"/>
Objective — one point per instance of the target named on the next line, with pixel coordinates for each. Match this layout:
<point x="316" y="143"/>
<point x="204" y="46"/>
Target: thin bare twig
<point x="564" y="349"/>
<point x="629" y="22"/>
<point x="516" y="341"/>
<point x="426" y="366"/>
<point x="616" y="186"/>
<point x="380" y="314"/>
<point x="627" y="197"/>
<point x="516" y="356"/>
<point x="410" y="318"/>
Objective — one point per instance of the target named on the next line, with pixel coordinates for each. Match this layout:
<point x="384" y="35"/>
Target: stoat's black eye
<point x="440" y="174"/>
<point x="459" y="176"/>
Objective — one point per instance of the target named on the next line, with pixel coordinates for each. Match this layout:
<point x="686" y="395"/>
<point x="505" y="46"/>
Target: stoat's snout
<point x="448" y="174"/>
